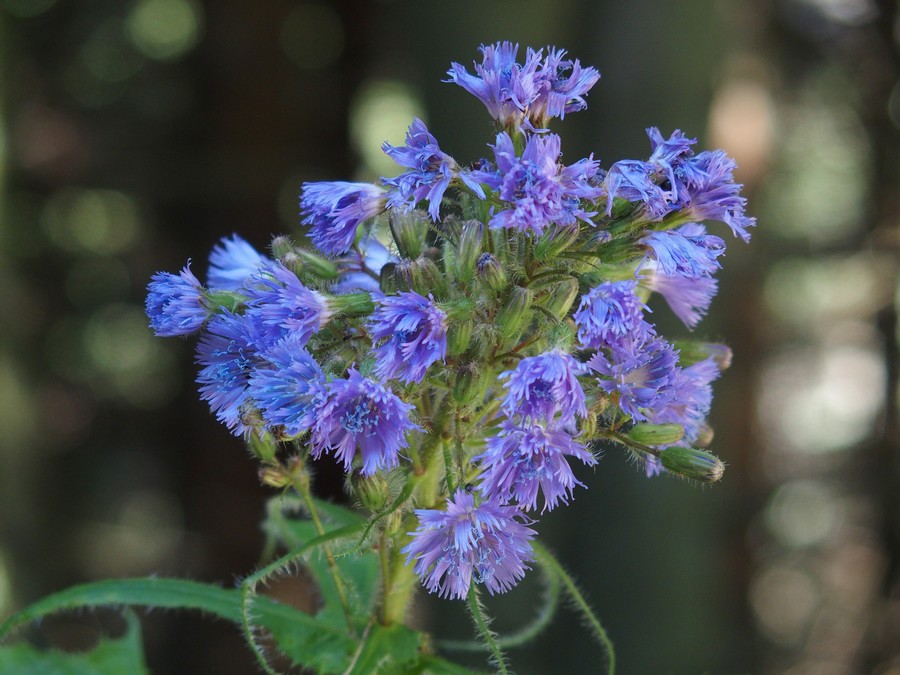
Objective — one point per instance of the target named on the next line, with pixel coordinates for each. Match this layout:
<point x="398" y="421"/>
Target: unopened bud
<point x="470" y="385"/>
<point x="560" y="297"/>
<point x="229" y="300"/>
<point x="459" y="334"/>
<point x="293" y="262"/>
<point x="512" y="316"/>
<point x="556" y="240"/>
<point x="656" y="434"/>
<point x="390" y="280"/>
<point x="468" y="250"/>
<point x="262" y="445"/>
<point x="373" y="491"/>
<point x="275" y="476"/>
<point x="409" y="229"/>
<point x="317" y="265"/>
<point x="351" y="304"/>
<point x="691" y="352"/>
<point x="281" y="246"/>
<point x="490" y="272"/>
<point x="693" y="464"/>
<point x="425" y="278"/>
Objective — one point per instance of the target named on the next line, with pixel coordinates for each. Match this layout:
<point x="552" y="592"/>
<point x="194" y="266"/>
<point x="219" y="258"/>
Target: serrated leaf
<point x="112" y="656"/>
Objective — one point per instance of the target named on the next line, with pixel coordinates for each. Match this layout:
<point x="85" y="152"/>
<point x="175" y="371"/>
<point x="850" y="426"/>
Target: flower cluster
<point x="480" y="325"/>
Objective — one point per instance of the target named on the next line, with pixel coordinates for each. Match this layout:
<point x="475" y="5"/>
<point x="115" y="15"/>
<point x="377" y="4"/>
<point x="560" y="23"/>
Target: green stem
<point x="546" y="559"/>
<point x="490" y="639"/>
<point x="403" y="584"/>
<point x="302" y="486"/>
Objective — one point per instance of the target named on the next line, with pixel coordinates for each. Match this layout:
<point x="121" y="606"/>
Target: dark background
<point x="136" y="134"/>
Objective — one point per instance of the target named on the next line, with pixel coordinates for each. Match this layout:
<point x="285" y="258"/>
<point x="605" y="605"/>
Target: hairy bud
<point x="656" y="434"/>
<point x="692" y="463"/>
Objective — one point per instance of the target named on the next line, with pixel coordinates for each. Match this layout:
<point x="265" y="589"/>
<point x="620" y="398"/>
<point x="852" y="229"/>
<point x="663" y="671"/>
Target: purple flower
<point x="232" y="262"/>
<point x="524" y="459"/>
<point x="609" y="314"/>
<point x="687" y="251"/>
<point x="503" y="85"/>
<point x="688" y="298"/>
<point x="528" y="94"/>
<point x="538" y="189"/>
<point x="642" y="376"/>
<point x="415" y="334"/>
<point x="431" y="171"/>
<point x="176" y="304"/>
<point x="286" y="386"/>
<point x="358" y="413"/>
<point x="712" y="193"/>
<point x="541" y="386"/>
<point x="561" y="89"/>
<point x="655" y="182"/>
<point x="487" y="542"/>
<point x="334" y="209"/>
<point x="691" y="399"/>
<point x="229" y="353"/>
<point x="280" y="301"/>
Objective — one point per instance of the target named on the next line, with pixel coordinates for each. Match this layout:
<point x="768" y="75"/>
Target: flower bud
<point x="490" y="272"/>
<point x="392" y="279"/>
<point x="275" y="476"/>
<point x="511" y="318"/>
<point x="317" y="265"/>
<point x="691" y="352"/>
<point x="560" y="297"/>
<point x="556" y="240"/>
<point x="425" y="278"/>
<point x="470" y="385"/>
<point x="293" y="262"/>
<point x="692" y="463"/>
<point x="351" y="304"/>
<point x="459" y="333"/>
<point x="229" y="300"/>
<point x="373" y="491"/>
<point x="409" y="229"/>
<point x="282" y="246"/>
<point x="468" y="250"/>
<point x="262" y="446"/>
<point x="656" y="434"/>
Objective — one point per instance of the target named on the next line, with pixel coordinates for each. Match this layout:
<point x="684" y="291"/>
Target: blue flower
<point x="431" y="171"/>
<point x="487" y="542"/>
<point x="232" y="262"/>
<point x="359" y="270"/>
<point x="229" y="353"/>
<point x="655" y="183"/>
<point x="503" y="85"/>
<point x="415" y="334"/>
<point x="281" y="303"/>
<point x="610" y="314"/>
<point x="687" y="251"/>
<point x="541" y="386"/>
<point x="176" y="304"/>
<point x="286" y="386"/>
<point x="691" y="399"/>
<point x="526" y="95"/>
<point x="642" y="376"/>
<point x="334" y="209"/>
<point x="688" y="298"/>
<point x="360" y="414"/>
<point x="561" y="89"/>
<point x="540" y="191"/>
<point x="524" y="459"/>
<point x="712" y="193"/>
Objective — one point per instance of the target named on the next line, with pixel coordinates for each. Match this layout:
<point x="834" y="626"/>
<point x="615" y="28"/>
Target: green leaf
<point x="435" y="665"/>
<point x="112" y="656"/>
<point x="388" y="650"/>
<point x="305" y="639"/>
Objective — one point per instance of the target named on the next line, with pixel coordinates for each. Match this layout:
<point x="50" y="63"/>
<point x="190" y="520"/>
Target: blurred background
<point x="137" y="133"/>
